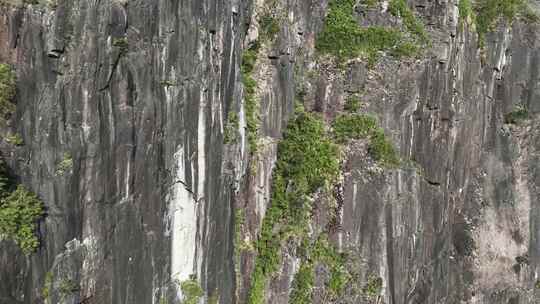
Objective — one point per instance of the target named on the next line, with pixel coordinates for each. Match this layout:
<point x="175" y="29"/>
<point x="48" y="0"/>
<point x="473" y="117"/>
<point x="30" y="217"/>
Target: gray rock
<point x="138" y="92"/>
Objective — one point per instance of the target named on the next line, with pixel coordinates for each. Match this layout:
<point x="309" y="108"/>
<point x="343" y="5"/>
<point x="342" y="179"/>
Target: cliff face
<point x="137" y="123"/>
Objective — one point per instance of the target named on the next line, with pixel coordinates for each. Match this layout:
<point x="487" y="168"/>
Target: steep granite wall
<point x="138" y="119"/>
<point x="134" y="93"/>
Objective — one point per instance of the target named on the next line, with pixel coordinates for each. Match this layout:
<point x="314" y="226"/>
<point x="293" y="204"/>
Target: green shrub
<point x="353" y="127"/>
<point x="47" y="285"/>
<point x="121" y="44"/>
<point x="167" y="83"/>
<point x="338" y="279"/>
<point x="405" y="49"/>
<point x="7" y="90"/>
<point x="382" y="150"/>
<point x="518" y="114"/>
<point x="537" y="284"/>
<point x="352" y="104"/>
<point x="319" y="252"/>
<point x="529" y="15"/>
<point x="18" y="2"/>
<point x="376" y="39"/>
<point x="340" y="32"/>
<point x="4" y="181"/>
<point x="465" y="11"/>
<point x="213" y="299"/>
<point x="373" y="286"/>
<point x="268" y="26"/>
<point x="191" y="291"/>
<point x="302" y="286"/>
<point x="327" y="254"/>
<point x="65" y="165"/>
<point x="67" y="287"/>
<point x="239" y="244"/>
<point x="370" y="3"/>
<point x="15" y="139"/>
<point x="414" y="26"/>
<point x="19" y="213"/>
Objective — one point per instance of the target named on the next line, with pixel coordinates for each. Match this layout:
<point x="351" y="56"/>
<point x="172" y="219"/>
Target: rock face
<point x="138" y="94"/>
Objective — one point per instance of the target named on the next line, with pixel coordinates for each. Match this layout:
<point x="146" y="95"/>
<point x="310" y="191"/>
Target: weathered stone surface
<point x="138" y="94"/>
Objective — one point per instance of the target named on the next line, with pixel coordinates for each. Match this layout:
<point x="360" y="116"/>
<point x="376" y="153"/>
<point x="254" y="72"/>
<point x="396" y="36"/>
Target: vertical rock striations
<point x="180" y="147"/>
<point x="135" y="93"/>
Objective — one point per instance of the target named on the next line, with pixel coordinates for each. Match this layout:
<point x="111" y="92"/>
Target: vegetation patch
<point x="400" y="8"/>
<point x="214" y="298"/>
<point x="19" y="213"/>
<point x="373" y="286"/>
<point x="490" y="12"/>
<point x="405" y="49"/>
<point x="240" y="244"/>
<point x="356" y="126"/>
<point x="65" y="165"/>
<point x="307" y="160"/>
<point x="323" y="253"/>
<point x="250" y="103"/>
<point x="231" y="128"/>
<point x="352" y="104"/>
<point x="239" y="220"/>
<point x="121" y="44"/>
<point x="191" y="291"/>
<point x="67" y="287"/>
<point x="303" y="285"/>
<point x="327" y="254"/>
<point x="167" y="83"/>
<point x="465" y="11"/>
<point x="15" y="139"/>
<point x="7" y="90"/>
<point x="52" y="4"/>
<point x="20" y="210"/>
<point x="268" y="26"/>
<point x="47" y="285"/>
<point x="518" y="115"/>
<point x="348" y="127"/>
<point x="344" y="38"/>
<point x="382" y="149"/>
<point x="370" y="3"/>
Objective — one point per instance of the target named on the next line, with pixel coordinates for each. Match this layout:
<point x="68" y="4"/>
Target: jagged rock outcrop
<point x="125" y="111"/>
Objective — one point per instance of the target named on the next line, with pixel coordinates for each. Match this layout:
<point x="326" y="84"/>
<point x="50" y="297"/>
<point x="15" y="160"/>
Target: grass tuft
<point x="343" y="38"/>
<point x="191" y="291"/>
<point x="355" y="126"/>
<point x="7" y="90"/>
<point x="373" y="286"/>
<point x="518" y="114"/>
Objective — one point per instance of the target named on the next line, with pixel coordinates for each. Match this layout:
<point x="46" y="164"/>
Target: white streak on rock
<point x="242" y="128"/>
<point x="126" y="195"/>
<point x="184" y="224"/>
<point x="355" y="191"/>
<point x="200" y="199"/>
